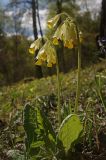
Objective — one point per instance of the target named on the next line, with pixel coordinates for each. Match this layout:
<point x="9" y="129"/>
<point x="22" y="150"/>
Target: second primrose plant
<point x="69" y="34"/>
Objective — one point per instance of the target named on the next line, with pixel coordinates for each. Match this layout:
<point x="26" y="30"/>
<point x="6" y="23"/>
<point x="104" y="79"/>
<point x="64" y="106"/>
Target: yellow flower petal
<point x="69" y="44"/>
<point x="51" y="55"/>
<point x="36" y="45"/>
<point x="31" y="50"/>
<point x="54" y="60"/>
<point x="68" y="34"/>
<point x="57" y="34"/>
<point x="50" y="25"/>
<point x="73" y="31"/>
<point x="33" y="44"/>
<point x="65" y="34"/>
<point x="46" y="54"/>
<point x="53" y="21"/>
<point x="49" y="64"/>
<point x="41" y="55"/>
<point x="55" y="41"/>
<point x="51" y="59"/>
<point x="39" y="62"/>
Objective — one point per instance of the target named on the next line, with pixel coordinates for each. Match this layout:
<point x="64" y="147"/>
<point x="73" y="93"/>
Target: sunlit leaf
<point x="70" y="131"/>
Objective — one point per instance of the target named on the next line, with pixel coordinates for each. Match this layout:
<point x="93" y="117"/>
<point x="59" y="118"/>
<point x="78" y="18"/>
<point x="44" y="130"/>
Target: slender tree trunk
<point x="86" y="6"/>
<point x="38" y="17"/>
<point x="60" y="50"/>
<point x="59" y="6"/>
<point x="34" y="15"/>
<point x="103" y="19"/>
<point x="34" y="19"/>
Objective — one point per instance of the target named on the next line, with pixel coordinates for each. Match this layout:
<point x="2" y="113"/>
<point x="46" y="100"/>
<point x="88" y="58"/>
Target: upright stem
<point x="100" y="94"/>
<point x="79" y="71"/>
<point x="58" y="90"/>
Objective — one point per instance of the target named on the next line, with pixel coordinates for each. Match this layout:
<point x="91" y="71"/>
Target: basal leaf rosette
<point x="36" y="45"/>
<point x="46" y="54"/>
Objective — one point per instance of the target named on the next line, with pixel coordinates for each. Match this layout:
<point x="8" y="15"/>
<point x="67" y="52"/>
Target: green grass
<point x="17" y="95"/>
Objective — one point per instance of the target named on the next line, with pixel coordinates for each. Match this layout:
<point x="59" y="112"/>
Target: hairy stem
<point x="79" y="72"/>
<point x="58" y="91"/>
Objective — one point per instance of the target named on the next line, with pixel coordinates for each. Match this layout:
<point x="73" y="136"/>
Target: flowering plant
<point x="69" y="34"/>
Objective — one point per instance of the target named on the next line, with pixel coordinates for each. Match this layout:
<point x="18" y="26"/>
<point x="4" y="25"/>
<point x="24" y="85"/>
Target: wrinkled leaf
<point x="70" y="131"/>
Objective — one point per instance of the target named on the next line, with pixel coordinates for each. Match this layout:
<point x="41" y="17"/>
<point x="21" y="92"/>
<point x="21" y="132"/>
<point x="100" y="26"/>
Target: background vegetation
<point x="14" y="57"/>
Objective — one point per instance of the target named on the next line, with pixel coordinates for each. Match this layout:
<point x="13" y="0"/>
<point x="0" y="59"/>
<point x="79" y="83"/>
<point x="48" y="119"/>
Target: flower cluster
<point x="36" y="45"/>
<point x="46" y="53"/>
<point x="66" y="32"/>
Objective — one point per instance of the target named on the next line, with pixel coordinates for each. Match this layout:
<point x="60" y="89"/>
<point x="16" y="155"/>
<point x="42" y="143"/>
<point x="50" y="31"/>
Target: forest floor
<point x="93" y="92"/>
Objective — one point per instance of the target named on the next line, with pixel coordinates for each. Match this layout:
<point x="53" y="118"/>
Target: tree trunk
<point x="34" y="19"/>
<point x="59" y="6"/>
<point x="38" y="69"/>
<point x="103" y="19"/>
<point x="38" y="17"/>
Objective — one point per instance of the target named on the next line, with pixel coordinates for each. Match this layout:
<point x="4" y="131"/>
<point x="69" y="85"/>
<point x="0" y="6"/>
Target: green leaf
<point x="47" y="125"/>
<point x="37" y="144"/>
<point x="49" y="136"/>
<point x="70" y="131"/>
<point x="39" y="131"/>
<point x="29" y="124"/>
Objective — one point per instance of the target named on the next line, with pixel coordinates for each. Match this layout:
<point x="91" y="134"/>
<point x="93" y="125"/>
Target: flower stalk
<point x="58" y="91"/>
<point x="79" y="71"/>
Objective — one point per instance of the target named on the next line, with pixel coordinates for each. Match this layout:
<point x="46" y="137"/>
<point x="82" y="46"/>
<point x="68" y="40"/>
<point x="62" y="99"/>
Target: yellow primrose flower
<point x="57" y="36"/>
<point x="66" y="33"/>
<point x="49" y="64"/>
<point x="36" y="45"/>
<point x="53" y="21"/>
<point x="55" y="41"/>
<point x="46" y="54"/>
<point x="39" y="62"/>
<point x="69" y="44"/>
<point x="73" y="27"/>
<point x="42" y="55"/>
<point x="51" y="59"/>
<point x="73" y="31"/>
